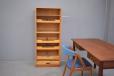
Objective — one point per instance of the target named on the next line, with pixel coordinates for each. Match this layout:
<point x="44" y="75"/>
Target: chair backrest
<point x="67" y="51"/>
<point x="71" y="54"/>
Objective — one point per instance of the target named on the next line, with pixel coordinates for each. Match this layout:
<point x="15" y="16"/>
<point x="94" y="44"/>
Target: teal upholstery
<point x="77" y="63"/>
<point x="67" y="51"/>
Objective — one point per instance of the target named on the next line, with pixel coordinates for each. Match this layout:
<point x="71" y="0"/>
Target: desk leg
<point x="100" y="73"/>
<point x="74" y="47"/>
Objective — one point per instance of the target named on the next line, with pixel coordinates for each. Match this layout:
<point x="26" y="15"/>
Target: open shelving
<point x="48" y="36"/>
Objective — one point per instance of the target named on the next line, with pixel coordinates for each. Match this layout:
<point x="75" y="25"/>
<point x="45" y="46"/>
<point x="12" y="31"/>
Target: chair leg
<point x="64" y="70"/>
<point x="91" y="72"/>
<point x="71" y="71"/>
<point x="81" y="73"/>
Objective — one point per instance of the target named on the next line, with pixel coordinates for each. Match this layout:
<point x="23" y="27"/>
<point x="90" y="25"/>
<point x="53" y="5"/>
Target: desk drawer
<point x="48" y="63"/>
<point x="108" y="64"/>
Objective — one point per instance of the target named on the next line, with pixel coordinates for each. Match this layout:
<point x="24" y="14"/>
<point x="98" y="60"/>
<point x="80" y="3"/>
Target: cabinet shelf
<point x="44" y="21"/>
<point x="47" y="57"/>
<point x="48" y="41"/>
<point x="49" y="15"/>
<point x="47" y="47"/>
<point x="48" y="32"/>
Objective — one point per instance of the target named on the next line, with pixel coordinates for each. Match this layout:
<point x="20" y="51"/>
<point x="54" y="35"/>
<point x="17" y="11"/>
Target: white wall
<point x="111" y="23"/>
<point x="86" y="19"/>
<point x="17" y="29"/>
<point x="81" y="19"/>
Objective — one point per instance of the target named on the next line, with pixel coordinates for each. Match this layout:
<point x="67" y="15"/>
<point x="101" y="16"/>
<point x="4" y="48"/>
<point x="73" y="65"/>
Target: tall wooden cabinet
<point x="48" y="36"/>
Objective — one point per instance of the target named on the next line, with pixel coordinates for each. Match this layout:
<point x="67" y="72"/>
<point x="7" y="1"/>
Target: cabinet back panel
<point x="48" y="11"/>
<point x="48" y="27"/>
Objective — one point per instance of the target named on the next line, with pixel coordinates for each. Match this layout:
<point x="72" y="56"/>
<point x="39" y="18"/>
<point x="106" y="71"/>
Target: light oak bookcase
<point x="48" y="36"/>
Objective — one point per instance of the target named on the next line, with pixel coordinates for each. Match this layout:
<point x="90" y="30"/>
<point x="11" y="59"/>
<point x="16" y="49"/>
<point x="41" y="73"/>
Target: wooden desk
<point x="99" y="51"/>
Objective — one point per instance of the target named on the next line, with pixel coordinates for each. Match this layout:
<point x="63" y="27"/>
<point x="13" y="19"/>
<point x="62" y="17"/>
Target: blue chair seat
<point x="77" y="63"/>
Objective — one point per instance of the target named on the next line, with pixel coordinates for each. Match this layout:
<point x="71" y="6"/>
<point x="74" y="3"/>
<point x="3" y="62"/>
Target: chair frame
<point x="83" y="68"/>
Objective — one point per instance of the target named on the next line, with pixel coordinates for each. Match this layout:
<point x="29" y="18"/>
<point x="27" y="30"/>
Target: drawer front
<point x="108" y="64"/>
<point x="48" y="63"/>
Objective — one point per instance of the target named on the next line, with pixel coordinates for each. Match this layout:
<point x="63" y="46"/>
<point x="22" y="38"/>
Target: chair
<point x="75" y="62"/>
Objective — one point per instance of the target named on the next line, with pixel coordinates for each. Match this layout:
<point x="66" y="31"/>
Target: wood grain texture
<point x="99" y="51"/>
<point x="48" y="36"/>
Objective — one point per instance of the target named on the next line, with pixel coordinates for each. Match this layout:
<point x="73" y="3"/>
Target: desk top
<point x="100" y="49"/>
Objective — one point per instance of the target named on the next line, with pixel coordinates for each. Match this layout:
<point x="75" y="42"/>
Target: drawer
<point x="108" y="64"/>
<point x="48" y="63"/>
